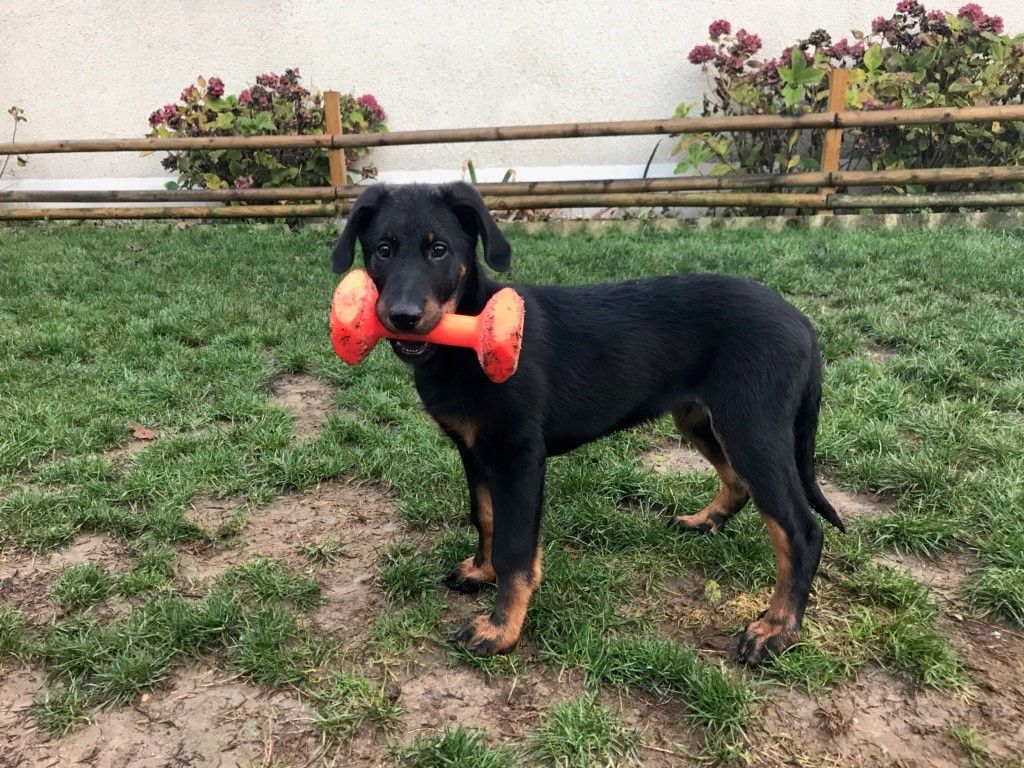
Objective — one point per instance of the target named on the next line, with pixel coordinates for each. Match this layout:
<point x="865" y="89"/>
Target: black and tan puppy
<point x="736" y="365"/>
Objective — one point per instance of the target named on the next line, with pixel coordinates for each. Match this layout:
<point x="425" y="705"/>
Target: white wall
<point x="97" y="69"/>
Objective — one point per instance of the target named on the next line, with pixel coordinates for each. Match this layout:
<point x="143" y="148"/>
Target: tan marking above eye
<point x="431" y="237"/>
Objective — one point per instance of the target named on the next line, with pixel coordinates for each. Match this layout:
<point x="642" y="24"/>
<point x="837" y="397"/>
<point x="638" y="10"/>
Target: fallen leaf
<point x="134" y="247"/>
<point x="140" y="432"/>
<point x="183" y="225"/>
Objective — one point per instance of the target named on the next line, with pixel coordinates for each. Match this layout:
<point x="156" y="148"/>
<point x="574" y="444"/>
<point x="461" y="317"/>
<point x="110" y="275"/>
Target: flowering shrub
<point x="275" y="104"/>
<point x="914" y="58"/>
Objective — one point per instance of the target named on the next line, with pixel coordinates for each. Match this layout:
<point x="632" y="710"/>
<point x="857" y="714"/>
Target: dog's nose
<point x="404" y="316"/>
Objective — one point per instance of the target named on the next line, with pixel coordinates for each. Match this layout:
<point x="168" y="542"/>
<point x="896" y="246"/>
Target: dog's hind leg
<point x="473" y="572"/>
<point x="694" y="424"/>
<point x="768" y="468"/>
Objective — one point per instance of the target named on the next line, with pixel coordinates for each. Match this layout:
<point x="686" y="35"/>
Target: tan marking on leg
<point x="485" y="520"/>
<point x="732" y="491"/>
<point x="781" y="606"/>
<point x="470" y="571"/>
<point x="478" y="568"/>
<point x="513" y="601"/>
<point x="778" y="627"/>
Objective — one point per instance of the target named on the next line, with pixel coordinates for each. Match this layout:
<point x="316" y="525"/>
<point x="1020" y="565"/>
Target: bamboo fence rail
<point x="819" y="120"/>
<point x="810" y="179"/>
<point x="811" y="190"/>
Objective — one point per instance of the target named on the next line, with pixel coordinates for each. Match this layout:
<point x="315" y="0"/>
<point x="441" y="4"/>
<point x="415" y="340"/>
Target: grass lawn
<point x="207" y="516"/>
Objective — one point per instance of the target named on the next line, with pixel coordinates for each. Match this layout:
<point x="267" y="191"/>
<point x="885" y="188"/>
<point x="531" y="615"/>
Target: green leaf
<point x="873" y="58"/>
<point x="213" y="181"/>
<point x="923" y="58"/>
<point x="684" y="109"/>
<point x="797" y="62"/>
<point x="792" y="93"/>
<point x="809" y="76"/>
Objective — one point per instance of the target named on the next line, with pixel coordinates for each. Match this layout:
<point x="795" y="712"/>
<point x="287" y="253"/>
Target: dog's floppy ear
<point x="365" y="207"/>
<point x="465" y="199"/>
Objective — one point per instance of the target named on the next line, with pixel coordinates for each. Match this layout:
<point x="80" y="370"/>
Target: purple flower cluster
<point x="910" y="8"/>
<point x="168" y="115"/>
<point x="979" y="20"/>
<point x="746" y="44"/>
<point x="718" y="28"/>
<point x="369" y="102"/>
<point x="215" y="88"/>
<point x="702" y="54"/>
<point x="841" y="49"/>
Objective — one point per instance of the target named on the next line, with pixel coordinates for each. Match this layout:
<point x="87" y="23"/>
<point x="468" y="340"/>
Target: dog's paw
<point x="485" y="638"/>
<point x="766" y="638"/>
<point x="699" y="523"/>
<point x="468" y="578"/>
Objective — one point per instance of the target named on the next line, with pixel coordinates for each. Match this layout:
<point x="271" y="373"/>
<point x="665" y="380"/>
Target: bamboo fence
<point x="816" y="190"/>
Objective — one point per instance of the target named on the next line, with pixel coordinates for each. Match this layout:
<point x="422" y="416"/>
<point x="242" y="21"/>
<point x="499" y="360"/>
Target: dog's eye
<point x="384" y="250"/>
<point x="438" y="250"/>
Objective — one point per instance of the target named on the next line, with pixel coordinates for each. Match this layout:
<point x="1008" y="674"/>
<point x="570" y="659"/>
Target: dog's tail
<point x="805" y="430"/>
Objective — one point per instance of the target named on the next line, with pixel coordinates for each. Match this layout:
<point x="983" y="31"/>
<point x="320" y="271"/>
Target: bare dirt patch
<point x="363" y="517"/>
<point x="881" y="353"/>
<point x="211" y="513"/>
<point x="943" y="577"/>
<point x="854" y="505"/>
<point x="880" y="720"/>
<point x="434" y="695"/>
<point x="678" y="458"/>
<point x="140" y="438"/>
<point x="707" y="616"/>
<point x="26" y="578"/>
<point x="199" y="717"/>
<point x="307" y="398"/>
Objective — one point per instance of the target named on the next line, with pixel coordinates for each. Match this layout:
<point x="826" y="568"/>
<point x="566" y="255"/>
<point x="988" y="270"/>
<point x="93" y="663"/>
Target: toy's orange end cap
<point x="352" y="318"/>
<point x="501" y="334"/>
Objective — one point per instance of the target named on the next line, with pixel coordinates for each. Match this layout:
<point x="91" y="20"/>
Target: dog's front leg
<point x="516" y="483"/>
<point x="473" y="572"/>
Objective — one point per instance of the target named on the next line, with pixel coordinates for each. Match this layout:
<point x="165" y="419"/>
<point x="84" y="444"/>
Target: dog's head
<point x="419" y="247"/>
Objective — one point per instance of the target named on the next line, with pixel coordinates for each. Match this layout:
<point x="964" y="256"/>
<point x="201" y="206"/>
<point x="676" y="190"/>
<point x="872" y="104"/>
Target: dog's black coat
<point x="736" y="365"/>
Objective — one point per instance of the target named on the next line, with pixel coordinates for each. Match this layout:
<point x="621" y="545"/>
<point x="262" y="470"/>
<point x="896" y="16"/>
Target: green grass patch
<point x="716" y="699"/>
<point x="580" y="733"/>
<point x="80" y="586"/>
<point x="268" y="648"/>
<point x="262" y="579"/>
<point x="13" y="639"/>
<point x="185" y="335"/>
<point x="61" y="707"/>
<point x="347" y="700"/>
<point x="458" y="747"/>
<point x="406" y="574"/>
<point x="999" y="592"/>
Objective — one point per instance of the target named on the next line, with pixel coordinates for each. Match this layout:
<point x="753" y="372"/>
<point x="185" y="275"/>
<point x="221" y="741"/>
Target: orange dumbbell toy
<point x="496" y="334"/>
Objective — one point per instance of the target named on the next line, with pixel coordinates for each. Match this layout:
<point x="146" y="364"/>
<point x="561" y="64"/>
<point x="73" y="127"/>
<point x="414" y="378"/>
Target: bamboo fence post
<point x="838" y="79"/>
<point x="336" y="156"/>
